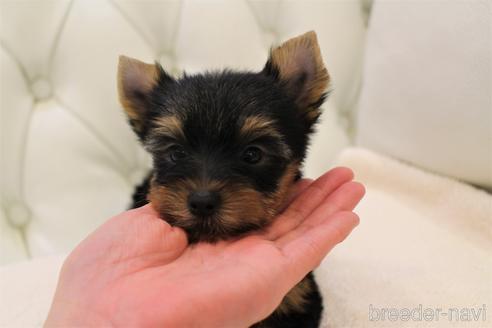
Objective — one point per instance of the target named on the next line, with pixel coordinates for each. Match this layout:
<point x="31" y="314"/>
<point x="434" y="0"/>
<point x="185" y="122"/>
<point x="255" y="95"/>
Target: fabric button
<point x="41" y="89"/>
<point x="19" y="215"/>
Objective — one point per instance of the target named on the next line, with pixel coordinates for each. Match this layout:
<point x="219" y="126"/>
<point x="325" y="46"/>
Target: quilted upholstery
<point x="69" y="160"/>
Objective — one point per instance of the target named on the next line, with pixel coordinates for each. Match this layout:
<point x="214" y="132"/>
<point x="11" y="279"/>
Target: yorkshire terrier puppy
<point x="226" y="147"/>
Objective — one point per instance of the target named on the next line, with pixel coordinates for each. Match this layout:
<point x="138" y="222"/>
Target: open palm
<point x="137" y="270"/>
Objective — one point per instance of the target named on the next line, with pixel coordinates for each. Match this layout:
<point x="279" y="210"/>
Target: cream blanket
<point x="420" y="257"/>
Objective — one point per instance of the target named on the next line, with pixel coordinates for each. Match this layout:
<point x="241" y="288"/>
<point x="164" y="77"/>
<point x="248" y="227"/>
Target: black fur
<point x="139" y="197"/>
<point x="212" y="106"/>
<point x="216" y="105"/>
<point x="211" y="109"/>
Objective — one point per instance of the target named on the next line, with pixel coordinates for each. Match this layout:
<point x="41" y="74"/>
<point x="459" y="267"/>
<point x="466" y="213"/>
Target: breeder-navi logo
<point x="428" y="314"/>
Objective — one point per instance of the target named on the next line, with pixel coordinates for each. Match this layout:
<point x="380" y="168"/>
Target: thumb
<point x="142" y="233"/>
<point x="160" y="236"/>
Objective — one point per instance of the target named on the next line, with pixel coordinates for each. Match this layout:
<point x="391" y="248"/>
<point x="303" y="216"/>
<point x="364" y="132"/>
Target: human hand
<point x="137" y="270"/>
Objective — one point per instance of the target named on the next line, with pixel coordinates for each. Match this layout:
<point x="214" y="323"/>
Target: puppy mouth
<point x="212" y="228"/>
<point x="240" y="210"/>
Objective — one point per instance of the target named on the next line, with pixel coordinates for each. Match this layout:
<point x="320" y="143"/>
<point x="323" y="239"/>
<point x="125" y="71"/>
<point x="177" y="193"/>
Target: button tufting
<point x="270" y="38"/>
<point x="41" y="88"/>
<point x="19" y="215"/>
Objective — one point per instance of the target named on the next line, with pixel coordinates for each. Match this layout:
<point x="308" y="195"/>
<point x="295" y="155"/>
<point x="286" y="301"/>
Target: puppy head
<point x="225" y="145"/>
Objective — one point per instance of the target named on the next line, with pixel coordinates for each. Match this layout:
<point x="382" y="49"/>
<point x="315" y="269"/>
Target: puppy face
<point x="226" y="145"/>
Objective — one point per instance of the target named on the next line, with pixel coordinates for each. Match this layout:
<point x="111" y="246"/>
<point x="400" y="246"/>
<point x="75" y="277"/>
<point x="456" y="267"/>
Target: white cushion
<point x="427" y="86"/>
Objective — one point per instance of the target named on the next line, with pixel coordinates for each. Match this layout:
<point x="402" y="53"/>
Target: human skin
<point x="136" y="270"/>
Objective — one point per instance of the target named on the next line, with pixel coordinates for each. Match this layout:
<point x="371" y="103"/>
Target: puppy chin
<point x="209" y="233"/>
<point x="210" y="229"/>
<point x="205" y="229"/>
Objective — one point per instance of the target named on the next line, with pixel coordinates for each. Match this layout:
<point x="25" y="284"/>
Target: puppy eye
<point x="176" y="154"/>
<point x="252" y="155"/>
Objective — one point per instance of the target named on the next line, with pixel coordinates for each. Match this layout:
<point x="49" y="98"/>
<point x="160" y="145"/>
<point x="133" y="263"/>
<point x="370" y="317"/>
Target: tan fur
<point x="258" y="126"/>
<point x="303" y="49"/>
<point x="170" y="200"/>
<point x="241" y="204"/>
<point x="276" y="201"/>
<point x="170" y="126"/>
<point x="134" y="75"/>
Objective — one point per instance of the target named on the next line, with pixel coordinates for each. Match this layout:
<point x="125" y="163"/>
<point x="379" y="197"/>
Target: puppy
<point x="226" y="147"/>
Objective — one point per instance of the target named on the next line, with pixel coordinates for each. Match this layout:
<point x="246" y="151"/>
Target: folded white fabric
<point x="420" y="257"/>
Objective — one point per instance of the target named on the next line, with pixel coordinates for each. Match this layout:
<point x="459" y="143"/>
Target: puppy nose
<point x="203" y="202"/>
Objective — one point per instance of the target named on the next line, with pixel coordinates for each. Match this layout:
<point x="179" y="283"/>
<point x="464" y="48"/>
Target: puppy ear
<point x="136" y="81"/>
<point x="298" y="65"/>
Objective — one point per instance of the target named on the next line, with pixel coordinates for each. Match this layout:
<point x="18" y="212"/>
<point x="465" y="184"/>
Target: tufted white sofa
<point x="69" y="160"/>
<point x="412" y="92"/>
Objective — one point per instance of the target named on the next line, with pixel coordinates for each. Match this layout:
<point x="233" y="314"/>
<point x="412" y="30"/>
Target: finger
<point x="303" y="205"/>
<point x="298" y="188"/>
<point x="140" y="233"/>
<point x="167" y="240"/>
<point x="345" y="198"/>
<point x="146" y="212"/>
<point x="307" y="250"/>
<point x="147" y="209"/>
<point x="174" y="235"/>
